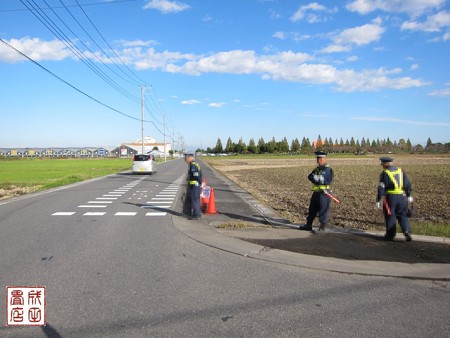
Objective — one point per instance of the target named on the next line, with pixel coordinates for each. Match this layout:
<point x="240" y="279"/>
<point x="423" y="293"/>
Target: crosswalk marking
<point x="63" y="213"/>
<point x="125" y="214"/>
<point x="156" y="214"/>
<point x="162" y="200"/>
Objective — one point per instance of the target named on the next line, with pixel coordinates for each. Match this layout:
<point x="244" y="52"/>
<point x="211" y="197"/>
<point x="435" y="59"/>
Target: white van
<point x="144" y="164"/>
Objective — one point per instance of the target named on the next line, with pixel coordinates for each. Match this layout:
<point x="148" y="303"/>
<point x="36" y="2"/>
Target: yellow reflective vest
<point x="398" y="184"/>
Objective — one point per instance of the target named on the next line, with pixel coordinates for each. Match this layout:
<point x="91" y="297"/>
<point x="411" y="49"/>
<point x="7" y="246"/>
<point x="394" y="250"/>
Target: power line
<point x="54" y="28"/>
<point x="87" y="33"/>
<point x="71" y="85"/>
<point x="46" y="20"/>
<point x="57" y="7"/>
<point x="112" y="49"/>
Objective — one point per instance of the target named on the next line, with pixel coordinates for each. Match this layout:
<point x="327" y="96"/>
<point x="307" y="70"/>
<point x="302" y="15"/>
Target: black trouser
<point x="398" y="205"/>
<point x="319" y="204"/>
<point x="194" y="200"/>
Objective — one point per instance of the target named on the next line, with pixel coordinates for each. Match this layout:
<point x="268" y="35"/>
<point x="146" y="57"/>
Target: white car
<point x="144" y="164"/>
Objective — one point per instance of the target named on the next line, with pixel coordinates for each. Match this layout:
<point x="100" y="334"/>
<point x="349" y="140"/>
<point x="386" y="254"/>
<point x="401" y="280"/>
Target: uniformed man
<point x="194" y="179"/>
<point x="395" y="188"/>
<point x="321" y="178"/>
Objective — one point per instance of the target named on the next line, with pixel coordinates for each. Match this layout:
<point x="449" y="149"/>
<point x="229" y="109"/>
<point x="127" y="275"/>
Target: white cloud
<point x="356" y="36"/>
<point x="433" y="23"/>
<point x="361" y="35"/>
<point x="190" y="102"/>
<point x="138" y="43"/>
<point x="280" y="35"/>
<point x="401" y="121"/>
<point x="415" y="66"/>
<point x="166" y="6"/>
<point x="441" y="92"/>
<point x="411" y="7"/>
<point x="295" y="36"/>
<point x="217" y="104"/>
<point x="335" y="49"/>
<point x="311" y="13"/>
<point x="35" y="48"/>
<point x="352" y="58"/>
<point x="150" y="59"/>
<point x="285" y="66"/>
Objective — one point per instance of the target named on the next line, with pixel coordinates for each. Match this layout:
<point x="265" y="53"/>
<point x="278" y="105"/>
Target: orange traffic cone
<point x="212" y="204"/>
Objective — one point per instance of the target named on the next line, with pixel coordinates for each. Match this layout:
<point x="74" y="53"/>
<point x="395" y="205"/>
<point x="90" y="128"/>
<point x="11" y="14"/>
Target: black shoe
<point x="322" y="227"/>
<point x="388" y="238"/>
<point x="408" y="237"/>
<point x="305" y="227"/>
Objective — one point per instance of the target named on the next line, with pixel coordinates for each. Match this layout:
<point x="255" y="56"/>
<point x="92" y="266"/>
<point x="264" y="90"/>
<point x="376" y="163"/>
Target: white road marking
<point x="94" y="213"/>
<point x="63" y="213"/>
<point x="156" y="214"/>
<point x="112" y="195"/>
<point x="162" y="198"/>
<point x="99" y="202"/>
<point x="155" y="206"/>
<point x="159" y="202"/>
<point x="92" y="206"/>
<point x="106" y="198"/>
<point x="125" y="214"/>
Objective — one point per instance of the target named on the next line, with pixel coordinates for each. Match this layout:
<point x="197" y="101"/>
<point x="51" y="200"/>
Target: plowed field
<point x="282" y="183"/>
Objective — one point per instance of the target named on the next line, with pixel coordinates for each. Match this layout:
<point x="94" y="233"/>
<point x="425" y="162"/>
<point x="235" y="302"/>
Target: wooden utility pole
<point x="142" y="117"/>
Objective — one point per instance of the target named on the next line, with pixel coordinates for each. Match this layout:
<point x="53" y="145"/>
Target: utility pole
<point x="142" y="117"/>
<point x="165" y="144"/>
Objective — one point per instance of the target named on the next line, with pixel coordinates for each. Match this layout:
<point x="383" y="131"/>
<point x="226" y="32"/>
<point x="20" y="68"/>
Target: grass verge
<point x="22" y="176"/>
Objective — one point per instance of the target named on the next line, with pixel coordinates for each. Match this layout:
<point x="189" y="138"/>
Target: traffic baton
<point x="388" y="210"/>
<point x="332" y="197"/>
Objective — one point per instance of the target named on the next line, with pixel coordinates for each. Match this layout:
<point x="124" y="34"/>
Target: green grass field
<point x="39" y="174"/>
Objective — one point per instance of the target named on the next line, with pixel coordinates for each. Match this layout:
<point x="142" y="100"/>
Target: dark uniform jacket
<point x="387" y="186"/>
<point x="194" y="174"/>
<point x="321" y="178"/>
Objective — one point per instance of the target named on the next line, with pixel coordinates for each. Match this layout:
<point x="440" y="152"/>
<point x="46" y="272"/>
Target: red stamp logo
<point x="25" y="305"/>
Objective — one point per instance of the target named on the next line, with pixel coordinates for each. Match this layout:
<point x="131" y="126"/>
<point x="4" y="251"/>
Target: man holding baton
<point x="395" y="188"/>
<point x="321" y="178"/>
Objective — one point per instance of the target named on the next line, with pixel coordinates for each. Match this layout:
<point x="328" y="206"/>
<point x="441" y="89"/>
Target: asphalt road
<point x="114" y="265"/>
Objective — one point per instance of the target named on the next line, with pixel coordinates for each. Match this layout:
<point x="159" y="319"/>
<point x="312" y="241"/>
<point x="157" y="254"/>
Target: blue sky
<point x="223" y="68"/>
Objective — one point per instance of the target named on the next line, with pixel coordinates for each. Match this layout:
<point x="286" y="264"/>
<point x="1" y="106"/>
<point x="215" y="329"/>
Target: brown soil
<point x="283" y="185"/>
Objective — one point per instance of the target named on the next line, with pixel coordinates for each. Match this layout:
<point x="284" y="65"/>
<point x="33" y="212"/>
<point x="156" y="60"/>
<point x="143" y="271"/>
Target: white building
<point x="150" y="144"/>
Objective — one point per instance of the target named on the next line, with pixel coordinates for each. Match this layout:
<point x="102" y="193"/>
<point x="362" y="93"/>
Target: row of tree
<point x="363" y="146"/>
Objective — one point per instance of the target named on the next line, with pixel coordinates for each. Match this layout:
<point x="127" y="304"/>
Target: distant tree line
<point x="306" y="147"/>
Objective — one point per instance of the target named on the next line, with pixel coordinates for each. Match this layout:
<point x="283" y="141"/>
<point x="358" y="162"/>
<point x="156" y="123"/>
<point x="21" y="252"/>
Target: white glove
<point x="316" y="178"/>
<point x="410" y="199"/>
<point x="378" y="205"/>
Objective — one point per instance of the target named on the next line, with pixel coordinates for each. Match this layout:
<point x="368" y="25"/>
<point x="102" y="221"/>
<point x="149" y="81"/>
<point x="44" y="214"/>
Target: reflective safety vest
<point x="320" y="187"/>
<point x="317" y="187"/>
<point x="194" y="175"/>
<point x="398" y="184"/>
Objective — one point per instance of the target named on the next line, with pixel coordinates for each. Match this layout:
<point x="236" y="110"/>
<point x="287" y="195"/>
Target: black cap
<point x="386" y="159"/>
<point x="320" y="154"/>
